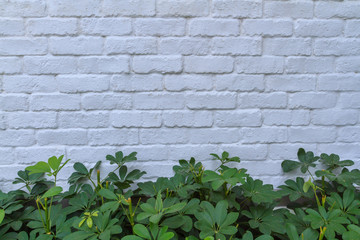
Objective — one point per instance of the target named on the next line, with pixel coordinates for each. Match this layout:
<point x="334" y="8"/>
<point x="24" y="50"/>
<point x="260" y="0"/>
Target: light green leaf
<point x="40" y="167"/>
<point x="141" y="231"/>
<point x="52" y="192"/>
<point x="106" y="193"/>
<point x="55" y="162"/>
<point x="2" y="215"/>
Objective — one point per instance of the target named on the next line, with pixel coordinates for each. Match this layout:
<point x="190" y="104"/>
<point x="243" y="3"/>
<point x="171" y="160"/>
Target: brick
<point x="188" y="82"/>
<point x="76" y="45"/>
<point x="312" y="100"/>
<point x="17" y="138"/>
<point x="216" y="136"/>
<point x="11" y="27"/>
<point x="29" y="84"/>
<point x="246" y="152"/>
<point x="287" y="46"/>
<point x="312" y="134"/>
<point x="349" y="134"/>
<point x="113" y="137"/>
<point x="265" y="64"/>
<point x="187" y="118"/>
<point x="104" y="64"/>
<point x="290" y="83"/>
<point x="133" y="8"/>
<point x="49" y="65"/>
<point x="53" y="26"/>
<point x="79" y="8"/>
<point x="262" y="100"/>
<point x="337" y="117"/>
<point x="213" y="27"/>
<point x="237" y="8"/>
<point x="135" y="119"/>
<point x="348" y="64"/>
<point x="236" y="46"/>
<point x="267" y="27"/>
<point x="3" y="119"/>
<point x="309" y="64"/>
<point x="54" y="102"/>
<point x="32" y="120"/>
<point x="184" y="46"/>
<point x="26" y="155"/>
<point x="286" y="117"/>
<point x="131" y="45"/>
<point x="288" y="151"/>
<point x="106" y="26"/>
<point x="199" y="152"/>
<point x="160" y="64"/>
<point x="349" y="100"/>
<point x="14" y="102"/>
<point x="82" y="83"/>
<point x="182" y="8"/>
<point x="239" y="82"/>
<point x="158" y="101"/>
<point x="297" y="9"/>
<point x="85" y="153"/>
<point x="23" y="8"/>
<point x="211" y="101"/>
<point x="62" y="137"/>
<point x="344" y="150"/>
<point x="22" y="46"/>
<point x="10" y="65"/>
<point x="7" y="155"/>
<point x="339" y="82"/>
<point x="352" y="28"/>
<point x="159" y="27"/>
<point x="337" y="46"/>
<point x="349" y="9"/>
<point x="106" y="101"/>
<point x="136" y="83"/>
<point x="318" y="28"/>
<point x="83" y="120"/>
<point x="264" y="135"/>
<point x="242" y="118"/>
<point x="208" y="64"/>
<point x="148" y="152"/>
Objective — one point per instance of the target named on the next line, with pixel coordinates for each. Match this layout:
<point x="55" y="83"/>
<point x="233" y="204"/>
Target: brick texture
<point x="172" y="79"/>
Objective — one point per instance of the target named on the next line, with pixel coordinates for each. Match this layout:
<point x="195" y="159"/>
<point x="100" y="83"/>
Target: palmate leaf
<point x="39" y="167"/>
<point x="333" y="161"/>
<point x="306" y="160"/>
<point x="294" y="189"/>
<point x="348" y="205"/>
<point x="258" y="192"/>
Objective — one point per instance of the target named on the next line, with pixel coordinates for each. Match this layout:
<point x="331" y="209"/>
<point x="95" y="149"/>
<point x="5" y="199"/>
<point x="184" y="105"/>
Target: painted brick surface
<point x="172" y="79"/>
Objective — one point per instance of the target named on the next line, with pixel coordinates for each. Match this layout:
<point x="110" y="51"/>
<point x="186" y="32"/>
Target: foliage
<point x="194" y="204"/>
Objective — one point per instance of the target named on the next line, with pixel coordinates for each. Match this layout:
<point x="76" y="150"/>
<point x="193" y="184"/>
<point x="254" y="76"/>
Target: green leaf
<point x="2" y="215"/>
<point x="23" y="236"/>
<point x="80" y="168"/>
<point x="55" y="162"/>
<point x="307" y="185"/>
<point x="289" y="165"/>
<point x="89" y="222"/>
<point x="52" y="192"/>
<point x="40" y="167"/>
<point x="122" y="172"/>
<point x="106" y="193"/>
<point x="175" y="208"/>
<point x="79" y="235"/>
<point x="221" y="211"/>
<point x="291" y="232"/>
<point x="132" y="237"/>
<point x="155" y="218"/>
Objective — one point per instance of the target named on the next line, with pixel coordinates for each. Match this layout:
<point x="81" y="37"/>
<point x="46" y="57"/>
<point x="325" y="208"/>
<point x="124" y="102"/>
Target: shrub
<point x="193" y="204"/>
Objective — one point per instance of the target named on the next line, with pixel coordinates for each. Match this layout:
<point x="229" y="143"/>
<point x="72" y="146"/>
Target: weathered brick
<point x="237" y="8"/>
<point x="182" y="8"/>
<point x="239" y="82"/>
<point x="184" y="46"/>
<point x="160" y="64"/>
<point x="187" y="118"/>
<point x="106" y="26"/>
<point x="106" y="101"/>
<point x="312" y="134"/>
<point x="262" y="100"/>
<point x="54" y="102"/>
<point x="23" y="8"/>
<point x="76" y="45"/>
<point x="10" y="65"/>
<point x="159" y="101"/>
<point x="236" y="46"/>
<point x="79" y="8"/>
<point x="337" y="46"/>
<point x="49" y="65"/>
<point x="318" y="28"/>
<point x="216" y="136"/>
<point x="136" y="82"/>
<point x="213" y="64"/>
<point x="53" y="26"/>
<point x="241" y="118"/>
<point x="82" y="83"/>
<point x="129" y="8"/>
<point x="211" y="101"/>
<point x="286" y="117"/>
<point x="104" y="64"/>
<point x="264" y="135"/>
<point x="309" y="64"/>
<point x="287" y="46"/>
<point x="352" y="28"/>
<point x="164" y="136"/>
<point x="23" y="46"/>
<point x="130" y="45"/>
<point x="17" y="138"/>
<point x="19" y="120"/>
<point x="339" y="82"/>
<point x="159" y="27"/>
<point x="267" y="27"/>
<point x="213" y="27"/>
<point x="335" y="117"/>
<point x="312" y="100"/>
<point x="83" y="120"/>
<point x="266" y="64"/>
<point x="290" y="83"/>
<point x="32" y="155"/>
<point x="11" y="27"/>
<point x="348" y="9"/>
<point x="62" y="137"/>
<point x="135" y="119"/>
<point x="246" y="152"/>
<point x="188" y="82"/>
<point x="292" y="9"/>
<point x="348" y="64"/>
<point x="29" y="84"/>
<point x="349" y="100"/>
<point x="14" y="102"/>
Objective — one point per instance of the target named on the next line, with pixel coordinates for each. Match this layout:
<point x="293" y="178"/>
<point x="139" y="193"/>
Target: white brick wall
<point x="172" y="79"/>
